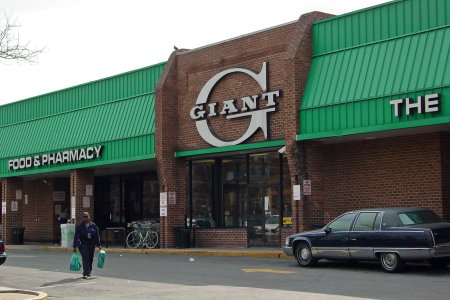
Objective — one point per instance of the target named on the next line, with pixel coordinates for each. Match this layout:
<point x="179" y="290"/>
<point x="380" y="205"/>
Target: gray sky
<point x="86" y="40"/>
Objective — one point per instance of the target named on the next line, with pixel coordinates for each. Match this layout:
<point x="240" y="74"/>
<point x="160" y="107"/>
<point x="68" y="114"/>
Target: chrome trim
<point x="288" y="250"/>
<point x="408" y="253"/>
<point x="441" y="250"/>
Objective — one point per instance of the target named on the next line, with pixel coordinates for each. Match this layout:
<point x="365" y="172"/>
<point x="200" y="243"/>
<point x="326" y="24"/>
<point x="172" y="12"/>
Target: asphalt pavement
<point x="140" y="276"/>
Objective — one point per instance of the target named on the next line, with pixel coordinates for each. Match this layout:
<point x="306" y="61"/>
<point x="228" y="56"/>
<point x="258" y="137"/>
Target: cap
<point x="85" y="214"/>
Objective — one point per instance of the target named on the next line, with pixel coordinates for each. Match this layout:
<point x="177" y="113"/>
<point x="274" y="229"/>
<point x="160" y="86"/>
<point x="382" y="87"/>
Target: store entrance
<point x="264" y="216"/>
<point x="120" y="199"/>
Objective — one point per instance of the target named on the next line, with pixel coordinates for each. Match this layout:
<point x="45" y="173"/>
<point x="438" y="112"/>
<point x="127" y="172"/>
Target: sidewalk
<point x="234" y="252"/>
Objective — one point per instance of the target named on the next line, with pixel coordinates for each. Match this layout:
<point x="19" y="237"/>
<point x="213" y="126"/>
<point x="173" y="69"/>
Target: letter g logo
<point x="258" y="117"/>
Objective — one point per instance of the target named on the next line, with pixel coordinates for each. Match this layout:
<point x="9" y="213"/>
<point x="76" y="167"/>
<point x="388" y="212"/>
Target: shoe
<point x="89" y="275"/>
<point x="84" y="277"/>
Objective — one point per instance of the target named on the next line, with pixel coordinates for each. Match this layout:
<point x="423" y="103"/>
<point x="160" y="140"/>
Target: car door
<point x="363" y="235"/>
<point x="333" y="242"/>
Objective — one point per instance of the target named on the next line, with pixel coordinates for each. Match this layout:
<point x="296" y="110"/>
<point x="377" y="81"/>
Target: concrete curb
<point x="7" y="293"/>
<point x="190" y="252"/>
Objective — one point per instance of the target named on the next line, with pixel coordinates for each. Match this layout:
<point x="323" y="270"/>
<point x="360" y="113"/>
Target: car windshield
<point x="419" y="217"/>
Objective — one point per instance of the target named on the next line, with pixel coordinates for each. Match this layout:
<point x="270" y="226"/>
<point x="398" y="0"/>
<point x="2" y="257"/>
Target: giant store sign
<point x="247" y="106"/>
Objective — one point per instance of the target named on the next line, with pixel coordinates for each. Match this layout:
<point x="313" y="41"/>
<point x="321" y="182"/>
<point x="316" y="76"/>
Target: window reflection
<point x="202" y="194"/>
<point x="234" y="183"/>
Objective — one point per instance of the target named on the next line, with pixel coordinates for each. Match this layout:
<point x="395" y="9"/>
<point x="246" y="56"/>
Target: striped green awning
<point x="351" y="82"/>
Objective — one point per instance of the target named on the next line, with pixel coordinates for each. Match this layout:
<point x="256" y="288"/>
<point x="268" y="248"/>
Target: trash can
<point x="182" y="237"/>
<point x="17" y="236"/>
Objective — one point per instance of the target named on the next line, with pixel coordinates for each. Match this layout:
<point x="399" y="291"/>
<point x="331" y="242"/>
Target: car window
<point x="419" y="217"/>
<point x="366" y="221"/>
<point x="342" y="223"/>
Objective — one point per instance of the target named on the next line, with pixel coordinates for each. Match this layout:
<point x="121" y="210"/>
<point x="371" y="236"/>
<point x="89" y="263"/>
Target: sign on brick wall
<point x="307" y="187"/>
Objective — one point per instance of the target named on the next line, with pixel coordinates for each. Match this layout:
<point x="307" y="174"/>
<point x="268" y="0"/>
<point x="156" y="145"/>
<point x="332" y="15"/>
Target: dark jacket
<point x="86" y="235"/>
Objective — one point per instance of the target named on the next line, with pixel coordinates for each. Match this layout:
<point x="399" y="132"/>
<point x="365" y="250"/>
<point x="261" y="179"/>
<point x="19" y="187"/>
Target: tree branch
<point x="11" y="48"/>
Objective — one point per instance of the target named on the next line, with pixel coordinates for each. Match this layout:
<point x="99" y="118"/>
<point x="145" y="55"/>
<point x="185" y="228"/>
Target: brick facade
<point x="79" y="179"/>
<point x="410" y="171"/>
<point x="287" y="51"/>
<point x="12" y="219"/>
<point x="222" y="238"/>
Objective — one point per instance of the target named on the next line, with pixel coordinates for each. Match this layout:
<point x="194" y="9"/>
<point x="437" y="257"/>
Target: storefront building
<point x="350" y="110"/>
<point x="86" y="148"/>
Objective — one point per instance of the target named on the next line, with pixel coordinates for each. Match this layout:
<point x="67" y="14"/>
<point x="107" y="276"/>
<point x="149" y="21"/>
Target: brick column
<point x="79" y="179"/>
<point x="297" y="64"/>
<point x="12" y="219"/>
<point x="171" y="171"/>
<point x="312" y="207"/>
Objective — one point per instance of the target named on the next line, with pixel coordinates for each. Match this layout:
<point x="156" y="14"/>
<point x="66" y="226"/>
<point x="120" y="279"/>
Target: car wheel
<point x="304" y="256"/>
<point x="439" y="263"/>
<point x="391" y="262"/>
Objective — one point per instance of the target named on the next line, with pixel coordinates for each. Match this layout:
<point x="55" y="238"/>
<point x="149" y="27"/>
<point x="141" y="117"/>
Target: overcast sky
<point x="87" y="40"/>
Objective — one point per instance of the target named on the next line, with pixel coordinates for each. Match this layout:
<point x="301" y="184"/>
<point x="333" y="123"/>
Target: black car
<point x="391" y="235"/>
<point x="2" y="253"/>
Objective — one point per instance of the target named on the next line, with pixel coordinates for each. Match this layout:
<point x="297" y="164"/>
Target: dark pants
<point x="87" y="255"/>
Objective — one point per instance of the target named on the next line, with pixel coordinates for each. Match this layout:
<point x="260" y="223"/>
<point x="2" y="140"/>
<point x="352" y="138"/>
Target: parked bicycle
<point x="144" y="233"/>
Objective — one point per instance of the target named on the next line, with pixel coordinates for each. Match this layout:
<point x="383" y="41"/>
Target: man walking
<point x="86" y="238"/>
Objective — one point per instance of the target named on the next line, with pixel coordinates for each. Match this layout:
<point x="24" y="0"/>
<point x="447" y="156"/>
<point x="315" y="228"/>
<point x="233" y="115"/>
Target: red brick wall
<point x="399" y="171"/>
<point x="38" y="214"/>
<point x="11" y="219"/>
<point x="221" y="238"/>
<point x="78" y="180"/>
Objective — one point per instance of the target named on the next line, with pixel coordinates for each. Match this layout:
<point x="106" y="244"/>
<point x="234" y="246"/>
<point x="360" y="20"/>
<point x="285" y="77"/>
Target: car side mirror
<point x="327" y="230"/>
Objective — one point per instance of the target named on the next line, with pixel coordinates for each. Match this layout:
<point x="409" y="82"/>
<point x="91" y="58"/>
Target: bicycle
<point x="144" y="233"/>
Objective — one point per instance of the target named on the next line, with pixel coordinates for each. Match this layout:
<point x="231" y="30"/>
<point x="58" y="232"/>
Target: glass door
<point x="264" y="217"/>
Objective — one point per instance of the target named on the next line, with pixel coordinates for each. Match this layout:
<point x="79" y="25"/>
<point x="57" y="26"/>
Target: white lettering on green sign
<point x="48" y="159"/>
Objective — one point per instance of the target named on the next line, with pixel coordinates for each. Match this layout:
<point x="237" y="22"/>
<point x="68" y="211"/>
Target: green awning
<point x="351" y="83"/>
<point x="121" y="118"/>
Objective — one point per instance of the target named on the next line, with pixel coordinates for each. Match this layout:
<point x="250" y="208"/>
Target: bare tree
<point x="11" y="47"/>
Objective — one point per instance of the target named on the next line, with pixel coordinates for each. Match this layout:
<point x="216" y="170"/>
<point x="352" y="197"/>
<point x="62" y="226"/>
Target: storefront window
<point x="287" y="194"/>
<point x="150" y="198"/>
<point x="223" y="188"/>
<point x="264" y="169"/>
<point x="202" y="194"/>
<point x="121" y="199"/>
<point x="234" y="184"/>
<point x="115" y="202"/>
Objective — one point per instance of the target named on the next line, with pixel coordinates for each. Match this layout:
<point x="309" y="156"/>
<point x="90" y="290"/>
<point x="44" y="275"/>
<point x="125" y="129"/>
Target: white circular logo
<point x="248" y="107"/>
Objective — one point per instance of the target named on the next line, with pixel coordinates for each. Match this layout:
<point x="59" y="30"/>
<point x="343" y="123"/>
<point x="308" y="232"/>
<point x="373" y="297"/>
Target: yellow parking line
<point x="267" y="271"/>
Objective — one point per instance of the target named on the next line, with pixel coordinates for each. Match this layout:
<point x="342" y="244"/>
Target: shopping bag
<point x="75" y="264"/>
<point x="101" y="259"/>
